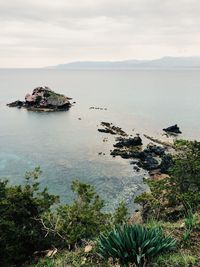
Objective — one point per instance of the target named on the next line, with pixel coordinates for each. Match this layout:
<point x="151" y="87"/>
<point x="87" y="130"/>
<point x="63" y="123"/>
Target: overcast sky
<point x="36" y="33"/>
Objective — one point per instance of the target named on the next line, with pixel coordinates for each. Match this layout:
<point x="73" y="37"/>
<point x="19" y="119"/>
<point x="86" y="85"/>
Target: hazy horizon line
<point x="142" y="60"/>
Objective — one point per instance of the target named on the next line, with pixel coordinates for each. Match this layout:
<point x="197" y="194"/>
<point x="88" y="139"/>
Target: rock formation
<point x="173" y="129"/>
<point x="111" y="129"/>
<point x="153" y="157"/>
<point x="43" y="99"/>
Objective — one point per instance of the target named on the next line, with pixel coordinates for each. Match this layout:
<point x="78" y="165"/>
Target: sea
<point x="67" y="145"/>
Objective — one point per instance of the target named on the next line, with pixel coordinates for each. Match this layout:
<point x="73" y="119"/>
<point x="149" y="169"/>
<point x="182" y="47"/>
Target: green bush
<point x="185" y="175"/>
<point x="155" y="204"/>
<point x="20" y="207"/>
<point x="120" y="215"/>
<point x="70" y="224"/>
<point x="83" y="219"/>
<point x="170" y="198"/>
<point x="28" y="223"/>
<point x="134" y="244"/>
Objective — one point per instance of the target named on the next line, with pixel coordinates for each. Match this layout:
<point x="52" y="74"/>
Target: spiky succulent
<point x="134" y="244"/>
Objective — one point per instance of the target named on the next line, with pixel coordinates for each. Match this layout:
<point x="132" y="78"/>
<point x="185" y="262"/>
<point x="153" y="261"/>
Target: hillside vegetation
<point x="36" y="230"/>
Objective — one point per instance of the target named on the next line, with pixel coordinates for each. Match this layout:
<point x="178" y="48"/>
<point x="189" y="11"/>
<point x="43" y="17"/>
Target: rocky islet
<point x="43" y="99"/>
<point x="174" y="129"/>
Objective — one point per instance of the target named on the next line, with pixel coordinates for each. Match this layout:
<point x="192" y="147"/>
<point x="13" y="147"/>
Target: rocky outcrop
<point x="43" y="99"/>
<point x="166" y="163"/>
<point x="153" y="157"/>
<point x="111" y="129"/>
<point x="16" y="103"/>
<point x="149" y="163"/>
<point x="128" y="142"/>
<point x="173" y="129"/>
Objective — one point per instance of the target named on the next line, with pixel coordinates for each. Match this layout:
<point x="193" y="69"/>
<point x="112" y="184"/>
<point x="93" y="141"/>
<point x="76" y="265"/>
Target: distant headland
<point x="161" y="63"/>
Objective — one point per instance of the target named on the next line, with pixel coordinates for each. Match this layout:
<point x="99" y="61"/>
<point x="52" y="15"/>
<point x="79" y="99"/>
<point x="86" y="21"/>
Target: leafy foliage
<point x="185" y="175"/>
<point x="134" y="244"/>
<point x="83" y="219"/>
<point x="170" y="197"/>
<point x="190" y="223"/>
<point x="20" y="206"/>
<point x="120" y="215"/>
<point x="156" y="203"/>
<point x="28" y="222"/>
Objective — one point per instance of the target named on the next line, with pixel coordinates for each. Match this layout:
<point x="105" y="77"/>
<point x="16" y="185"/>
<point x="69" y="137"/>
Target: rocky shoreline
<point x="43" y="99"/>
<point x="154" y="158"/>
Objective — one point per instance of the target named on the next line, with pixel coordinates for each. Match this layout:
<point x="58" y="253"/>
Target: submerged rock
<point x="43" y="99"/>
<point x="111" y="129"/>
<point x="173" y="129"/>
<point x="149" y="163"/>
<point x="106" y="130"/>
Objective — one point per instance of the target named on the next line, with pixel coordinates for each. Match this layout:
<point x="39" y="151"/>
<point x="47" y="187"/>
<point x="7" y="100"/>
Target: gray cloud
<point x="48" y="32"/>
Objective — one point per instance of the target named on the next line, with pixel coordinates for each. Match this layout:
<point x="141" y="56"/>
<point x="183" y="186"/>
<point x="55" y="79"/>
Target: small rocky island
<point x="43" y="99"/>
<point x="174" y="129"/>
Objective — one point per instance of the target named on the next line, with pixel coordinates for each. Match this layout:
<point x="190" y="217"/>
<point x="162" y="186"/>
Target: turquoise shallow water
<point x="67" y="148"/>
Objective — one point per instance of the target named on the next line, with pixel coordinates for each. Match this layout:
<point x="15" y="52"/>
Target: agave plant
<point x="134" y="244"/>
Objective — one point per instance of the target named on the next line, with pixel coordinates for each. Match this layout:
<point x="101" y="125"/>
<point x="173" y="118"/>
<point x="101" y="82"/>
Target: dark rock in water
<point x="129" y="153"/>
<point x="173" y="129"/>
<point x="151" y="158"/>
<point x="166" y="163"/>
<point x="109" y="128"/>
<point x="106" y="130"/>
<point x="106" y="124"/>
<point x="150" y="163"/>
<point x="127" y="142"/>
<point x="43" y="99"/>
<point x="136" y="168"/>
<point x="122" y="153"/>
<point x="17" y="103"/>
<point x="155" y="150"/>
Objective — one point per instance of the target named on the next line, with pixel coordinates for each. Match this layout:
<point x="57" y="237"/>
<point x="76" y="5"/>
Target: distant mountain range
<point x="161" y="63"/>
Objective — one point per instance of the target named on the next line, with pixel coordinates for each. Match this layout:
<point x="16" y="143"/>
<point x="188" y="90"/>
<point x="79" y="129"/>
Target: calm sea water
<point x="67" y="148"/>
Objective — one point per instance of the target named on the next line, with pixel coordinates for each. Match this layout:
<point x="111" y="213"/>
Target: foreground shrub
<point x="84" y="219"/>
<point x="28" y="223"/>
<point x="134" y="244"/>
<point x="20" y="206"/>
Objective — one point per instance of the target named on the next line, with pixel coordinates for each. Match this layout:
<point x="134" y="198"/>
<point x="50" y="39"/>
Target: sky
<point x="38" y="33"/>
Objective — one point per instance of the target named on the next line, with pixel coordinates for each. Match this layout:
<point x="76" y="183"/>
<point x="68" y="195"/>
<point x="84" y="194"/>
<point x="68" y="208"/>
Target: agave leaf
<point x="133" y="243"/>
<point x="145" y="244"/>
